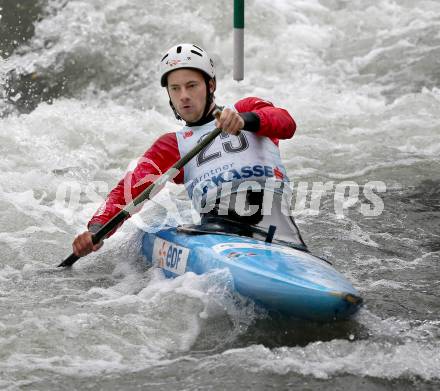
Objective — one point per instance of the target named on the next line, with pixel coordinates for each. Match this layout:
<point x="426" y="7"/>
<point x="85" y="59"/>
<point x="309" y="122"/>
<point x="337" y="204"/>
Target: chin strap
<point x="209" y="99"/>
<point x="176" y="114"/>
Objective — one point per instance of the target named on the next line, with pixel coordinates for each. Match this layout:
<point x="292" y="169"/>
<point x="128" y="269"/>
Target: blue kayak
<point x="280" y="278"/>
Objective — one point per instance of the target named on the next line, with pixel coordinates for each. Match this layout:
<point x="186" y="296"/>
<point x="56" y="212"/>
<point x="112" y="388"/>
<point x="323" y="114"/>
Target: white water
<point x="361" y="79"/>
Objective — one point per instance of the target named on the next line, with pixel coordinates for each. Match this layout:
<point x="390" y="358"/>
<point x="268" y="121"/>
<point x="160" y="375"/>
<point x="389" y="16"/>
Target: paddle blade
<point x="69" y="261"/>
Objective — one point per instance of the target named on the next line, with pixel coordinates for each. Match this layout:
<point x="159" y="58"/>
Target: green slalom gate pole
<point x="238" y="40"/>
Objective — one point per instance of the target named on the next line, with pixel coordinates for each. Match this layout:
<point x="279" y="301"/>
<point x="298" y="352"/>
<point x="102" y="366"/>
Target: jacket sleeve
<point x="274" y="122"/>
<point x="155" y="161"/>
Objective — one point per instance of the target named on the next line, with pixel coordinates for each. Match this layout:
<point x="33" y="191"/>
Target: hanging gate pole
<point x="238" y="40"/>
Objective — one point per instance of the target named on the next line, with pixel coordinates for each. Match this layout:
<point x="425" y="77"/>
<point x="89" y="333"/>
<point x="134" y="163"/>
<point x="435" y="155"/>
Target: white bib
<point x="231" y="160"/>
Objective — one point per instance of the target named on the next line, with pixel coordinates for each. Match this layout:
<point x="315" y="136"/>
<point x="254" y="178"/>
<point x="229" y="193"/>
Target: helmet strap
<point x="176" y="114"/>
<point x="209" y="97"/>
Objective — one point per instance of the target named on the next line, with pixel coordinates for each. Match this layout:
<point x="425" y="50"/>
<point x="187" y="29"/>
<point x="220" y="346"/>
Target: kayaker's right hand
<point x="229" y="121"/>
<point x="83" y="245"/>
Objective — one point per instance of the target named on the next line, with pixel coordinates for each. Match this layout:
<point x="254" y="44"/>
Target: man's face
<point x="187" y="91"/>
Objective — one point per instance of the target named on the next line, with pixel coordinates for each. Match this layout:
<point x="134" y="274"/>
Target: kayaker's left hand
<point x="230" y="122"/>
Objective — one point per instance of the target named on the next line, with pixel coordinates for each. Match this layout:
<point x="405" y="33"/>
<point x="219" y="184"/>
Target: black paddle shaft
<point x="150" y="191"/>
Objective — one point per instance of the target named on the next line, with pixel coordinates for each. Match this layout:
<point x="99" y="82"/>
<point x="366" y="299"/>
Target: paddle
<point x="151" y="190"/>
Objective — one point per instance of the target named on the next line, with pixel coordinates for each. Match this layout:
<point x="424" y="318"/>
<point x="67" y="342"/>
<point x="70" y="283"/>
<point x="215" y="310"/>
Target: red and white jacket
<point x="275" y="124"/>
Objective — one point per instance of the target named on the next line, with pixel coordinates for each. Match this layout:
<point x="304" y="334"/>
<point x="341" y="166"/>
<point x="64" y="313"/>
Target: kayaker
<point x="247" y="150"/>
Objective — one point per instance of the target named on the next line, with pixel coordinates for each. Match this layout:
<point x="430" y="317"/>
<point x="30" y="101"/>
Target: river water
<point x="81" y="101"/>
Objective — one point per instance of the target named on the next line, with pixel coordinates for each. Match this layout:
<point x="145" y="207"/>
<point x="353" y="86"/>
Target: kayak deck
<point x="280" y="278"/>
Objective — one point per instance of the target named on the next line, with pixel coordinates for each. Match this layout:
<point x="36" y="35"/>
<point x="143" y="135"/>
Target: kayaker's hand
<point x="230" y="122"/>
<point x="83" y="245"/>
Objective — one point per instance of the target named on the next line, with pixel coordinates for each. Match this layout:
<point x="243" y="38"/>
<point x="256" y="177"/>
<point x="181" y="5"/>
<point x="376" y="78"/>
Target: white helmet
<point x="185" y="55"/>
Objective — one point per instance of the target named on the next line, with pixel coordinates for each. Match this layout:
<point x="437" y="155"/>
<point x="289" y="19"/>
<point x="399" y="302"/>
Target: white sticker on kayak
<point x="170" y="256"/>
<point x="218" y="248"/>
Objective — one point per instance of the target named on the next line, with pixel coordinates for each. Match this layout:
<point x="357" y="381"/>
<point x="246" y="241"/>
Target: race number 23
<point x="205" y="155"/>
